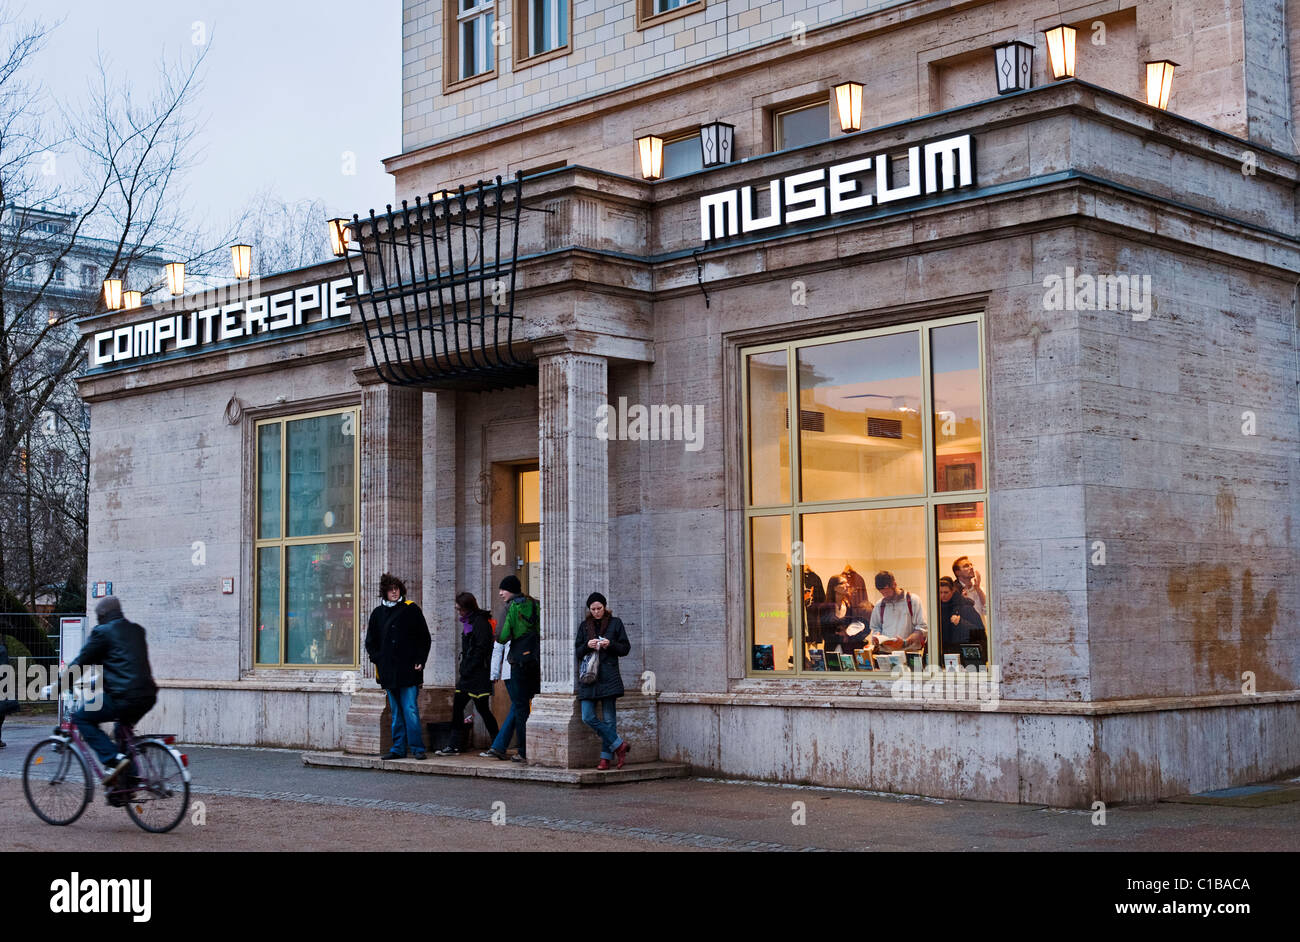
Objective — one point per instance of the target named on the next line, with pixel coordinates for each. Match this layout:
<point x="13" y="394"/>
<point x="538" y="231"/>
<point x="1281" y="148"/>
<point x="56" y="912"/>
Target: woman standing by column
<point x="473" y="684"/>
<point x="602" y="633"/>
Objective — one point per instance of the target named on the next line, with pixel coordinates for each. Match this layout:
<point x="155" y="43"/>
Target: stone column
<point x="391" y="533"/>
<point x="575" y="543"/>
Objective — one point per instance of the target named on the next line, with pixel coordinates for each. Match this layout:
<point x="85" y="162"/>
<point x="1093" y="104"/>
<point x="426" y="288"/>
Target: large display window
<point x="865" y="533"/>
<point x="307" y="540"/>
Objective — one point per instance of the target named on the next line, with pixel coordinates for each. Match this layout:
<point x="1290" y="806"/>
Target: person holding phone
<point x="602" y="633"/>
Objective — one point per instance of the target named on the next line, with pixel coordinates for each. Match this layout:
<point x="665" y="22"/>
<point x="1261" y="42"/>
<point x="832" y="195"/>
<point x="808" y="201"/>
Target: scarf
<point x="595" y="628"/>
<point x="466" y="625"/>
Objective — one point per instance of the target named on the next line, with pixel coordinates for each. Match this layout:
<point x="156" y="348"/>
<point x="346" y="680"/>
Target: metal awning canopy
<point x="438" y="304"/>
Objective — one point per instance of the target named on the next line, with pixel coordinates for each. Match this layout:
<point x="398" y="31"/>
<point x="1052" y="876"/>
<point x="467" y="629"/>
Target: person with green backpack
<point x="521" y="628"/>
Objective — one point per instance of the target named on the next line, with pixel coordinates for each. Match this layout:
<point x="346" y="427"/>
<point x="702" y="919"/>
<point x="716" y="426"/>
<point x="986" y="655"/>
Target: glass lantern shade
<point x="1060" y="50"/>
<point x="848" y="105"/>
<point x="175" y="277"/>
<point x="1160" y="83"/>
<point x="651" y="151"/>
<point x="338" y="236"/>
<point x="1015" y="66"/>
<point x="241" y="260"/>
<point x="716" y="143"/>
<point x="131" y="299"/>
<point x="112" y="293"/>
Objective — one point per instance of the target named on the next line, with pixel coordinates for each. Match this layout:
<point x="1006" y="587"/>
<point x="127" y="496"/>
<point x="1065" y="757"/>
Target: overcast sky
<point x="290" y="86"/>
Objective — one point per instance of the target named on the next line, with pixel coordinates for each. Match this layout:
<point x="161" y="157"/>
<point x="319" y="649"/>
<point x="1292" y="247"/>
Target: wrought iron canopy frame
<point x="432" y="290"/>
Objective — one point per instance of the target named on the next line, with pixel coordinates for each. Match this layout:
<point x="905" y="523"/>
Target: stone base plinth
<point x="558" y="738"/>
<point x="368" y="729"/>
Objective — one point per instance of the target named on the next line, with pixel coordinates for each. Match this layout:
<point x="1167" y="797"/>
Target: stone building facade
<point x="1098" y="327"/>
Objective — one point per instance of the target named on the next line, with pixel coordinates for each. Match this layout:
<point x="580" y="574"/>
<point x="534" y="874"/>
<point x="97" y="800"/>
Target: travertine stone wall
<point x="735" y="62"/>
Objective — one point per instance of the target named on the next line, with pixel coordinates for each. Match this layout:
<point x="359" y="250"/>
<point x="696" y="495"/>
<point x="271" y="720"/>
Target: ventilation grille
<point x="884" y="428"/>
<point x="809" y="421"/>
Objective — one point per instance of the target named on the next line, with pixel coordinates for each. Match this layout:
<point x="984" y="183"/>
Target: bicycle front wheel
<point x="56" y="781"/>
<point x="162" y="794"/>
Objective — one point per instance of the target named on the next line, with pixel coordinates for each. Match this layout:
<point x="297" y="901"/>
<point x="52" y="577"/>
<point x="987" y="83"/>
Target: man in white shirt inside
<point x="898" y="622"/>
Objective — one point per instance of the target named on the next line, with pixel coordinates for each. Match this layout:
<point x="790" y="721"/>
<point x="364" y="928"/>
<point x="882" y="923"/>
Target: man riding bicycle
<point x="128" y="691"/>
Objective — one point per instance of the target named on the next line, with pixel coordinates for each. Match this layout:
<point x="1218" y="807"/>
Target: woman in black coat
<point x="602" y="633"/>
<point x="473" y="682"/>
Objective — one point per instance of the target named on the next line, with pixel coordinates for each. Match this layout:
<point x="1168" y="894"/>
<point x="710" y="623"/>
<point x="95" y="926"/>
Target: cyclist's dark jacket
<point x="119" y="647"/>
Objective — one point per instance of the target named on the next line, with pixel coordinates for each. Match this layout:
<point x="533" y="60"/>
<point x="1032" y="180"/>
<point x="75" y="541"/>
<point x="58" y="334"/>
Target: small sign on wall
<point x="101" y="590"/>
<point x="228" y="586"/>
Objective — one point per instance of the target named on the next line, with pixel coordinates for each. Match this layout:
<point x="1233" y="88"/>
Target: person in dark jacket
<point x="127" y="691"/>
<point x="398" y="642"/>
<point x="473" y="684"/>
<point x="521" y="631"/>
<point x="604" y="634"/>
<point x="960" y="621"/>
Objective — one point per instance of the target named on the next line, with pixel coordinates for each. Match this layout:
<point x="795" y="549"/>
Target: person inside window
<point x="898" y="620"/>
<point x="845" y="617"/>
<point x="959" y="621"/>
<point x="968" y="581"/>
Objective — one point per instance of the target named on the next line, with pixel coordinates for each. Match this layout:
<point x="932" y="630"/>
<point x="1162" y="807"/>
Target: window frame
<point x="452" y="18"/>
<point x="283" y="540"/>
<point x="524" y="57"/>
<point x="647" y="15"/>
<point x="780" y="111"/>
<point x="796" y="507"/>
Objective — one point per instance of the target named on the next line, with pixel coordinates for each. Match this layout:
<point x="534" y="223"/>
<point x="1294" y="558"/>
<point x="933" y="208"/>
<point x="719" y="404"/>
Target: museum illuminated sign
<point x="230" y="321"/>
<point x="931" y="168"/>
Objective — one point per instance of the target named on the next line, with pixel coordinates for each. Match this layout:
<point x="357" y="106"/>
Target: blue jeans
<point x="516" y="720"/>
<point x="404" y="704"/>
<point x="88" y="725"/>
<point x="609" y="738"/>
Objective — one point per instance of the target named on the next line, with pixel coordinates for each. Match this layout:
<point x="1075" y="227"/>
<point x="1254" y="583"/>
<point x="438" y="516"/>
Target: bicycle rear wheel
<point x="162" y="793"/>
<point x="56" y="781"/>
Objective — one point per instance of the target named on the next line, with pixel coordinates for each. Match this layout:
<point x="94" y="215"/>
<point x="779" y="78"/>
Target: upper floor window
<point x="89" y="276"/>
<point x="652" y="12"/>
<point x="541" y="27"/>
<point x="475" y="25"/>
<point x="682" y="155"/>
<point x="805" y="124"/>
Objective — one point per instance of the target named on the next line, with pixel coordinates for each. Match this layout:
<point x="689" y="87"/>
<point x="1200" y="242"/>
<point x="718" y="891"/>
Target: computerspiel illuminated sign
<point x="233" y="321"/>
<point x="932" y="168"/>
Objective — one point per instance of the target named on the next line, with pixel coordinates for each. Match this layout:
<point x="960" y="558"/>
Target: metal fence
<point x="34" y="637"/>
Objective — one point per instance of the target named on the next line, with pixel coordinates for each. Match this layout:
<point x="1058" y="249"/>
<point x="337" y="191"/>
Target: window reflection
<point x="861" y="436"/>
<point x="769" y="418"/>
<point x="773" y="645"/>
<point x="963" y="585"/>
<point x="958" y="399"/>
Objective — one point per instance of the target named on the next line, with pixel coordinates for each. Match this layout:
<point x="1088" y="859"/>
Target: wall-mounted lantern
<point x="1060" y="50"/>
<point x="717" y="141"/>
<point x="112" y="293"/>
<point x="1015" y="66"/>
<point x="848" y="103"/>
<point x="241" y="260"/>
<point x="651" y="150"/>
<point x="176" y="277"/>
<point x="1160" y="82"/>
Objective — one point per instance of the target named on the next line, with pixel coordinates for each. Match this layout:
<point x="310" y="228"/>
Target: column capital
<point x="605" y="346"/>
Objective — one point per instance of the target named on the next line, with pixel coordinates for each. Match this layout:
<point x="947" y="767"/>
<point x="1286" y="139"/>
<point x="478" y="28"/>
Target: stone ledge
<point x="814" y="701"/>
<point x="470" y="766"/>
<point x="254" y="685"/>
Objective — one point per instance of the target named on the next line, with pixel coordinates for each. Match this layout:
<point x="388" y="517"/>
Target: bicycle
<point x="154" y="788"/>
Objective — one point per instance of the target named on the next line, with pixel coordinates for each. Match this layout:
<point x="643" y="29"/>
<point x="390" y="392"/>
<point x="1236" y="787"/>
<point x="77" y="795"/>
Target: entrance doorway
<point x="528" y="529"/>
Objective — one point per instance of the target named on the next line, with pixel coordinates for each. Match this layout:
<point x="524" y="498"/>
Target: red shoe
<point x="603" y="766"/>
<point x="621" y="753"/>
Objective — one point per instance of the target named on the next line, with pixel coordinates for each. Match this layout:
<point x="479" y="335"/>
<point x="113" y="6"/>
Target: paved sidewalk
<point x="267" y="799"/>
